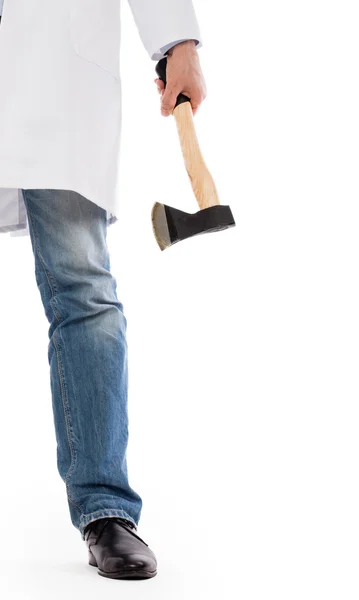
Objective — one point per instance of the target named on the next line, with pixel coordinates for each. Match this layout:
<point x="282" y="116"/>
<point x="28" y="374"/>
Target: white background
<point x="243" y="344"/>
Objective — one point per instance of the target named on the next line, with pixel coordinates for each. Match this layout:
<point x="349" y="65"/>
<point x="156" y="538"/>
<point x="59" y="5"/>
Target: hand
<point x="183" y="75"/>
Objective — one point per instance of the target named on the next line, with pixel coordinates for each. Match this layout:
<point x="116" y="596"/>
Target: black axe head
<point x="171" y="225"/>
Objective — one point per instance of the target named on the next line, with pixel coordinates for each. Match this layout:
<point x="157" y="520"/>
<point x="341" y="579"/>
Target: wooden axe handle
<point x="201" y="180"/>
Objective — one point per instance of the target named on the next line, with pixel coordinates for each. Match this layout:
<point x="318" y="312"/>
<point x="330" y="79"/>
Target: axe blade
<point x="171" y="225"/>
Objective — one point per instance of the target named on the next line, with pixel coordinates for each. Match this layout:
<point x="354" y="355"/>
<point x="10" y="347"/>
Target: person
<point x="60" y="103"/>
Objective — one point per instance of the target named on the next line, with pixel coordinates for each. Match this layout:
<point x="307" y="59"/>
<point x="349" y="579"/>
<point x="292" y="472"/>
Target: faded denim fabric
<point x="87" y="354"/>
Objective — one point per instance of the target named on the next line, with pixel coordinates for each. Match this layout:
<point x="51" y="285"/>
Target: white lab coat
<point x="60" y="94"/>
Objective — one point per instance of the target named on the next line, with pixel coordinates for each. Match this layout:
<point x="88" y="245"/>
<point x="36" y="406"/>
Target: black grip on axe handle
<point x="161" y="69"/>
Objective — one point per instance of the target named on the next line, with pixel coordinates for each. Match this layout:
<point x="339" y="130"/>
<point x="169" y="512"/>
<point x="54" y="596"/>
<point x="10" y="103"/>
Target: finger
<point x="160" y="89"/>
<point x="196" y="101"/>
<point x="194" y="109"/>
<point x="169" y="100"/>
<point x="160" y="84"/>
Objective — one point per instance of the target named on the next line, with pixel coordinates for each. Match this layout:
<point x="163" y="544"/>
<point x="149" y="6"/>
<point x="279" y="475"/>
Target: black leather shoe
<point x="117" y="550"/>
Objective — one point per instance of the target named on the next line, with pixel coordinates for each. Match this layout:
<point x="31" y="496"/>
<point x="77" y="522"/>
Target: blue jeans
<point x="87" y="354"/>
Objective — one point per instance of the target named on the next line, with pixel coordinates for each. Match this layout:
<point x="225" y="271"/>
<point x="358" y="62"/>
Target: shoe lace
<point x="129" y="524"/>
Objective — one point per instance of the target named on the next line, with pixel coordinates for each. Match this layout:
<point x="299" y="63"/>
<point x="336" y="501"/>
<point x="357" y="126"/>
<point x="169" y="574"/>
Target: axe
<point x="169" y="224"/>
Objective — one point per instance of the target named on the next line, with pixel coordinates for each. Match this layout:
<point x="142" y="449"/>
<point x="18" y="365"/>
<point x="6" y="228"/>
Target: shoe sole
<point x="127" y="574"/>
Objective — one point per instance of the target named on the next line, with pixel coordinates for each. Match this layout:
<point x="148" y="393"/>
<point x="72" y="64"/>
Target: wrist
<point x="187" y="44"/>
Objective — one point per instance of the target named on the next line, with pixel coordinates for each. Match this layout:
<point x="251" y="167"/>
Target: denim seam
<point x="66" y="408"/>
<point x="59" y="364"/>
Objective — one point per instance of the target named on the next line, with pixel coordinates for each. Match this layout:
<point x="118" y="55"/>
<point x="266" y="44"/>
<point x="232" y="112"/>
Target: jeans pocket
<point x="95" y="31"/>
